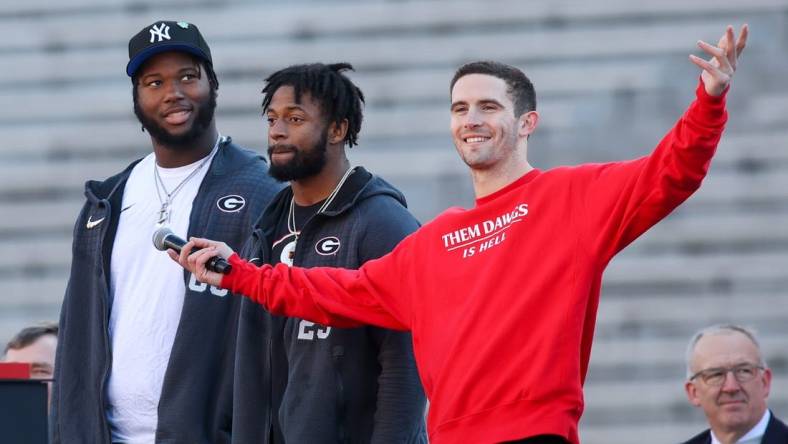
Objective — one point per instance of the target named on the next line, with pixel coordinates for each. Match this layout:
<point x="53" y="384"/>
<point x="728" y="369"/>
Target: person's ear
<point x="767" y="381"/>
<point x="527" y="123"/>
<point x="692" y="393"/>
<point x="337" y="132"/>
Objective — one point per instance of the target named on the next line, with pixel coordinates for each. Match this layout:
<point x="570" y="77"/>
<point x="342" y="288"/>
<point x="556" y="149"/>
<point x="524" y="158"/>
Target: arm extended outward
<point x="329" y="296"/>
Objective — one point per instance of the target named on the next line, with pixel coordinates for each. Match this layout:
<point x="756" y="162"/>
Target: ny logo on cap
<point x="162" y="32"/>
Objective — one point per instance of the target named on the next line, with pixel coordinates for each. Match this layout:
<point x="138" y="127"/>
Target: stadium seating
<point x="611" y="78"/>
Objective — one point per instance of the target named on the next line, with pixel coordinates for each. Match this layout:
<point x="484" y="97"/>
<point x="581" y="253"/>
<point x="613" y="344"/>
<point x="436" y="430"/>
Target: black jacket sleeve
<point x="399" y="417"/>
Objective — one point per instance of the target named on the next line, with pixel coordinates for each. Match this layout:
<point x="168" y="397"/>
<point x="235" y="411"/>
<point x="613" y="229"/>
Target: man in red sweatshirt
<point x="531" y="252"/>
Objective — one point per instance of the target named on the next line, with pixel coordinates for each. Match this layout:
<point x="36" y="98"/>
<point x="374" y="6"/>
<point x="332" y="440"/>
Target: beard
<point x="304" y="163"/>
<point x="185" y="141"/>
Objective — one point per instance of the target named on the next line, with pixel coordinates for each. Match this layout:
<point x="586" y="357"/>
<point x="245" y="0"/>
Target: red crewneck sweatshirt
<point x="502" y="298"/>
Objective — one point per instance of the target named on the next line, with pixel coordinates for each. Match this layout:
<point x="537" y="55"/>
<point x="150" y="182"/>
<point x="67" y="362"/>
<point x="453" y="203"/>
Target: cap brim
<point x="135" y="63"/>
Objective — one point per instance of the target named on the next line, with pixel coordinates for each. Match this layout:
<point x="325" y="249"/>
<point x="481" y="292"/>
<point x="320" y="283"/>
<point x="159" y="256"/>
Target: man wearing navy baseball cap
<point x="163" y="37"/>
<point x="146" y="352"/>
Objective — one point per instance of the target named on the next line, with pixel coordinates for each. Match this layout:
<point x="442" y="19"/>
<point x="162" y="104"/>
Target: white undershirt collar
<point x="754" y="435"/>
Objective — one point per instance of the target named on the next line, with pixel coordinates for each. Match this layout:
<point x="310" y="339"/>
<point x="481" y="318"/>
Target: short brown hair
<point x="29" y="335"/>
<point x="518" y="85"/>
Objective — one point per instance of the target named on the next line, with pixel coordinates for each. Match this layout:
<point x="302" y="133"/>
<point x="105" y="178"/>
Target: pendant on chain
<point x="291" y="253"/>
<point x="164" y="213"/>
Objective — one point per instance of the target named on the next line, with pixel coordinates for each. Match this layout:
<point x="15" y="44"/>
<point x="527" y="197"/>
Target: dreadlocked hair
<point x="338" y="97"/>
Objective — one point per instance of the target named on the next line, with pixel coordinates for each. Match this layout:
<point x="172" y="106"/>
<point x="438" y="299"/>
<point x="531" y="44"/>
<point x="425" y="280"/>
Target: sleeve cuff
<point x="229" y="279"/>
<point x="703" y="96"/>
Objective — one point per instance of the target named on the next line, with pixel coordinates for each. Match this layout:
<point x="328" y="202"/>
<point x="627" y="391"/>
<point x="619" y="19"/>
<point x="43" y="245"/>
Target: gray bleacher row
<point x="735" y="270"/>
<point x="681" y="314"/>
<point x="386" y="51"/>
<point x="659" y="393"/>
<point x="102" y="22"/>
<point x="43" y="138"/>
<point x="611" y="77"/>
<point x="721" y="189"/>
<point x="625" y="308"/>
<point x="110" y="100"/>
<point x="700" y="229"/>
<point x="726" y="182"/>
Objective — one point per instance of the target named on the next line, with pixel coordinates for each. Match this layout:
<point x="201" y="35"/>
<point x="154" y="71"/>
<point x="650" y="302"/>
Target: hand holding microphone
<point x="203" y="252"/>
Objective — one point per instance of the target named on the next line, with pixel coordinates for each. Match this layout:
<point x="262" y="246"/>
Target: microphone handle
<point x="216" y="264"/>
<point x="219" y="265"/>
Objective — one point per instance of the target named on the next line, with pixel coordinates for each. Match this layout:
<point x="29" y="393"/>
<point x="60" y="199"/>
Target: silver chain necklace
<point x="164" y="211"/>
<point x="291" y="224"/>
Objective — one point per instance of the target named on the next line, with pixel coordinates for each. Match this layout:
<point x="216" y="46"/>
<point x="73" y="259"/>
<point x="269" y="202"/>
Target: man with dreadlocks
<point x="297" y="381"/>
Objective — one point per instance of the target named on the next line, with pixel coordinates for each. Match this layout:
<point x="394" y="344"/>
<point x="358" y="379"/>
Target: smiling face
<point x="733" y="407"/>
<point x="485" y="130"/>
<point x="174" y="100"/>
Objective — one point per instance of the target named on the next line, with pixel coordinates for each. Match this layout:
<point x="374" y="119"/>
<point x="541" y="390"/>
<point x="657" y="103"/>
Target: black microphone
<point x="164" y="238"/>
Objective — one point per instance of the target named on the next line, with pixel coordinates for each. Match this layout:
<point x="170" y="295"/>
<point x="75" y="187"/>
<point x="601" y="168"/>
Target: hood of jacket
<point x="360" y="185"/>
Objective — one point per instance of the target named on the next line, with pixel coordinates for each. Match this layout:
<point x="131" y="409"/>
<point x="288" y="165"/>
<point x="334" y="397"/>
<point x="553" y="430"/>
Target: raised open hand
<point x="719" y="69"/>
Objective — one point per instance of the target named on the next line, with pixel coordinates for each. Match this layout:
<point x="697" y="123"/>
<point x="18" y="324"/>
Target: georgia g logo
<point x="231" y="204"/>
<point x="327" y="246"/>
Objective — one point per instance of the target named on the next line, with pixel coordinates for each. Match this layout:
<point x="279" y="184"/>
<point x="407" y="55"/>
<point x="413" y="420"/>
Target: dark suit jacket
<point x="776" y="433"/>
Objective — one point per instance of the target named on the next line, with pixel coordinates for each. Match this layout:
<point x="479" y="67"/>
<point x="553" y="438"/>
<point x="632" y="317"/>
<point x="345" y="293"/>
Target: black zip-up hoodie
<point x="195" y="404"/>
<point x="334" y="385"/>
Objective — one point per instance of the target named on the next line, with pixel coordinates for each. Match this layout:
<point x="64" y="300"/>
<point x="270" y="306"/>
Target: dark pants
<point x="541" y="439"/>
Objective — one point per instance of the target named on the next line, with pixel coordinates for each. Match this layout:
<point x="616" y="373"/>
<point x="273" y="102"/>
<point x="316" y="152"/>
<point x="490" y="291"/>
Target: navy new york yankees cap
<point x="165" y="36"/>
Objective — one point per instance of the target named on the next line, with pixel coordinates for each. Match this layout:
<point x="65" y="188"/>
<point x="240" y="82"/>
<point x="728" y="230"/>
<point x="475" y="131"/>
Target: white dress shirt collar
<point x="754" y="435"/>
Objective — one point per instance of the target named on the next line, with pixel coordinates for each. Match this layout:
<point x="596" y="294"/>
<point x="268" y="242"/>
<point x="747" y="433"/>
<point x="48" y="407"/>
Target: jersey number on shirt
<point x="194" y="285"/>
<point x="307" y="330"/>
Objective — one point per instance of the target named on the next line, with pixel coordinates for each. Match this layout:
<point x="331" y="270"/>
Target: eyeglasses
<point x="716" y="376"/>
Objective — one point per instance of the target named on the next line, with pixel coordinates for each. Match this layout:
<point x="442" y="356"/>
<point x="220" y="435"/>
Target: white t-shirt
<point x="147" y="292"/>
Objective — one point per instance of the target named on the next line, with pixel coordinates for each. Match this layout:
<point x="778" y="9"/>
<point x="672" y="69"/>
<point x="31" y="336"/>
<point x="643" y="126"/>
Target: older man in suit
<point x="728" y="378"/>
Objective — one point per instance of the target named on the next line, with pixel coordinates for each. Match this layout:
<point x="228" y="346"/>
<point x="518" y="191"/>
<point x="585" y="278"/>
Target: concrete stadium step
<point x="83" y="137"/>
<point x="753" y="150"/>
<point x="386" y="51"/>
<point x="741" y="170"/>
<point x="668" y="424"/>
<point x="734" y="187"/>
<point x="724" y="271"/>
<point x="15" y="317"/>
<point x="679" y="315"/>
<point x="698" y="233"/>
<point x="609" y="75"/>
<point x="657" y="433"/>
<point x="661" y="351"/>
<point x="770" y="109"/>
<point x="33" y="216"/>
<point x="30" y="294"/>
<point x="109" y="100"/>
<point x="733" y="226"/>
<point x="51" y="177"/>
<point x="639" y="275"/>
<point x="730" y="179"/>
<point x="431" y="182"/>
<point x="57" y="178"/>
<point x="690" y="230"/>
<point x="78" y="22"/>
<point x="30" y="255"/>
<point x="59" y="218"/>
<point x="706" y="233"/>
<point x="646" y="405"/>
<point x="653" y="395"/>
